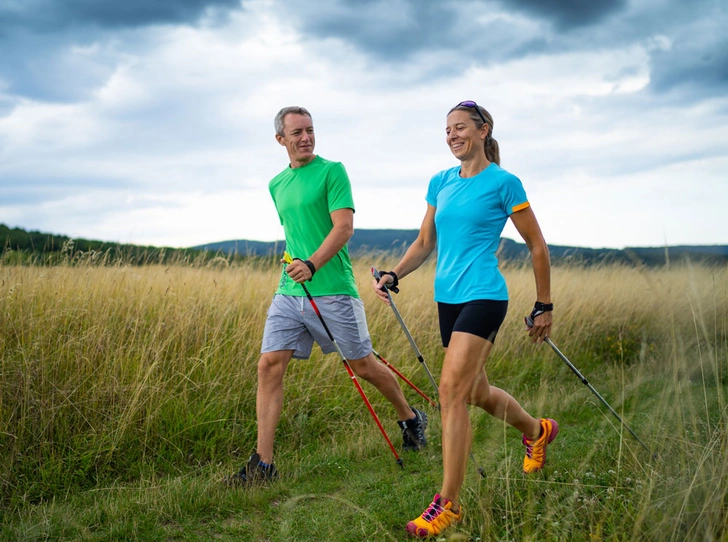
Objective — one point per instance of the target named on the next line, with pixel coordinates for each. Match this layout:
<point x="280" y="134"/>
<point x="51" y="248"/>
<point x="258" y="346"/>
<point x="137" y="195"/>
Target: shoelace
<point x="529" y="448"/>
<point x="432" y="512"/>
<point x="530" y="445"/>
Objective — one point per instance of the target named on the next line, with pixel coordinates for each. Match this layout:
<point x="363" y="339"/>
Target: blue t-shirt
<point x="469" y="218"/>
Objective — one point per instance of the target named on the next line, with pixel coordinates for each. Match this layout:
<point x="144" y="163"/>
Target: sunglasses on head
<point x="472" y="104"/>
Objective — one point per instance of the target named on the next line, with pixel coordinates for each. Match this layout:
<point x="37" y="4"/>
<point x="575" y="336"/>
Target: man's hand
<point x="298" y="270"/>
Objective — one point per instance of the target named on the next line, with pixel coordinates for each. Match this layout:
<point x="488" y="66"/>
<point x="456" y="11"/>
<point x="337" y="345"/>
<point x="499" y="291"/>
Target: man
<point x="315" y="206"/>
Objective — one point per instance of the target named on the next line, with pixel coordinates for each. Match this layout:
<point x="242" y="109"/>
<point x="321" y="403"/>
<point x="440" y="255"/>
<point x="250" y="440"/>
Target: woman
<point x="467" y="208"/>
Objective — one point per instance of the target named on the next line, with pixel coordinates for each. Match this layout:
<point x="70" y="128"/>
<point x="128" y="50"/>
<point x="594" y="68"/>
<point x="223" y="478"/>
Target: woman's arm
<point x="416" y="254"/>
<point x="527" y="225"/>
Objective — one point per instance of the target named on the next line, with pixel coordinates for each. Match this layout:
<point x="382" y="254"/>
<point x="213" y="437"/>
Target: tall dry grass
<point x="105" y="369"/>
<point x="109" y="373"/>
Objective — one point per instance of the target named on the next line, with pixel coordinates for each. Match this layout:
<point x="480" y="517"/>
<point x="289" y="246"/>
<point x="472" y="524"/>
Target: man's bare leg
<point x="382" y="378"/>
<point x="269" y="399"/>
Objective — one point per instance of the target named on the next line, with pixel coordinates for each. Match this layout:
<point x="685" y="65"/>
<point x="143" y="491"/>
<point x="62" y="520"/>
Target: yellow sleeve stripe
<point x="520" y="207"/>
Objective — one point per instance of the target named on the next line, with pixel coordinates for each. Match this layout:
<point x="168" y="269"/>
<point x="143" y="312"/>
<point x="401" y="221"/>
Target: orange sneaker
<point x="438" y="517"/>
<point x="536" y="449"/>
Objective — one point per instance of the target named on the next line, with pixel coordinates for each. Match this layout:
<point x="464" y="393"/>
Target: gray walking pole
<point x="377" y="276"/>
<point x="529" y="323"/>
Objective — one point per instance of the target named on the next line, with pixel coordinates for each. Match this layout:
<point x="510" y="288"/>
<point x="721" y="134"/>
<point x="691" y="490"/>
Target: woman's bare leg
<point x="464" y="357"/>
<point x="501" y="405"/>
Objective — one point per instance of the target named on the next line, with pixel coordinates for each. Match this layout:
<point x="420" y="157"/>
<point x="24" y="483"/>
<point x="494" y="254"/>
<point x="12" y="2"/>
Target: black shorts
<point x="482" y="317"/>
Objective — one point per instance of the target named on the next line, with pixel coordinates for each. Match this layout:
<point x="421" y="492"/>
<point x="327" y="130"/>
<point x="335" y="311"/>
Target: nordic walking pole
<point x="529" y="323"/>
<point x="377" y="276"/>
<point x="287" y="259"/>
<point x="404" y="378"/>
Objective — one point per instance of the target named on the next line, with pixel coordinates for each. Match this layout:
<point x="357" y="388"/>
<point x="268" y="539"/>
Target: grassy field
<point x="127" y="393"/>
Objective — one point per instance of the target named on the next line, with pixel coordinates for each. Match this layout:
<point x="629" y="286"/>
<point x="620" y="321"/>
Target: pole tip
<point x="400" y="462"/>
<point x="481" y="472"/>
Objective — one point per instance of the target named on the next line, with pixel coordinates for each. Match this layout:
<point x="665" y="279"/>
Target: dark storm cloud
<point x="42" y="16"/>
<point x="698" y="58"/>
<point x="57" y="50"/>
<point x="64" y="50"/>
<point x="567" y="14"/>
<point x="386" y="29"/>
<point x="46" y="68"/>
<point x="483" y="32"/>
<point x="397" y="30"/>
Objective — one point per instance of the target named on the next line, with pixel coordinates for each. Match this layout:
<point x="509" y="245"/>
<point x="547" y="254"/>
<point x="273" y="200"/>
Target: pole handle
<point x="378" y="276"/>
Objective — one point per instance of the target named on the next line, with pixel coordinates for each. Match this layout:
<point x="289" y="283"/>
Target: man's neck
<point x="296" y="165"/>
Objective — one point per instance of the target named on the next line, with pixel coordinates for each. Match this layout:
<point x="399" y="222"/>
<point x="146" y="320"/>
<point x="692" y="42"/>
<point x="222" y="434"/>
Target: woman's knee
<point x="453" y="390"/>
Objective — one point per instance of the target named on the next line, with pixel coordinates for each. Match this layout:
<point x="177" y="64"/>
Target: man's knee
<point x="365" y="367"/>
<point x="272" y="366"/>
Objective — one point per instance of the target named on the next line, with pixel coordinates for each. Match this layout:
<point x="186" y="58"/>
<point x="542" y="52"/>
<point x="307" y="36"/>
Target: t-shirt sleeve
<point x="433" y="189"/>
<point x="512" y="194"/>
<point x="339" y="188"/>
<point x="273" y="197"/>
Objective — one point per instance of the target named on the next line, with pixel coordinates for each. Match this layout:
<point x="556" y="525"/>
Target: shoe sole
<point x="420" y="532"/>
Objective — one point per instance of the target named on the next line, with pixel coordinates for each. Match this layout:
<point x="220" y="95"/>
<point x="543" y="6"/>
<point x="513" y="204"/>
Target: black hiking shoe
<point x="413" y="431"/>
<point x="252" y="473"/>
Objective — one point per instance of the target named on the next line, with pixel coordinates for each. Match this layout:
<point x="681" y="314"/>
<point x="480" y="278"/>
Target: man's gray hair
<point x="291" y="109"/>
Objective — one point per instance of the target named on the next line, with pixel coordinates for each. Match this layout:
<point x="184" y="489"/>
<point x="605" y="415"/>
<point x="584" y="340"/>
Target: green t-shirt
<point x="305" y="197"/>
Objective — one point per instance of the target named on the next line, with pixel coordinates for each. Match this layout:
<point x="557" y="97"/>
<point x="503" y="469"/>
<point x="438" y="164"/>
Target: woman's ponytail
<point x="492" y="151"/>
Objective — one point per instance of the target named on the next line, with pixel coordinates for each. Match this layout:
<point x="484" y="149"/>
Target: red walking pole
<point x="404" y="378"/>
<point x="287" y="259"/>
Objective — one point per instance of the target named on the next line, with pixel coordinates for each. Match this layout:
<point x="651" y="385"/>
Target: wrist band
<point x="311" y="267"/>
<point x="395" y="280"/>
<point x="540" y="308"/>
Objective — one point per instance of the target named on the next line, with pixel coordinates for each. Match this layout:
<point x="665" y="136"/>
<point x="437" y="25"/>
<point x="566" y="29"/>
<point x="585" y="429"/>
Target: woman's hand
<point x="385" y="280"/>
<point x="541" y="328"/>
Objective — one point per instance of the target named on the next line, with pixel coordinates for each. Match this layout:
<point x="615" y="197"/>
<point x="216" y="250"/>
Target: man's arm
<point x="341" y="232"/>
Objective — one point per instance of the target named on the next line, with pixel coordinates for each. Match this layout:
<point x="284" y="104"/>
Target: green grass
<point x="126" y="394"/>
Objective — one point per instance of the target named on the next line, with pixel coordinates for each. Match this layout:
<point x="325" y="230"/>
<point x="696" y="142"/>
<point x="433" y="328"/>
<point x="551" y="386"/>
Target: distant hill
<point x="362" y="242"/>
<point x="49" y="248"/>
<point x="397" y="241"/>
<point x="21" y="246"/>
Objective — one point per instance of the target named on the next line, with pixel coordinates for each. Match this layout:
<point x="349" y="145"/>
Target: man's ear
<point x="279" y="139"/>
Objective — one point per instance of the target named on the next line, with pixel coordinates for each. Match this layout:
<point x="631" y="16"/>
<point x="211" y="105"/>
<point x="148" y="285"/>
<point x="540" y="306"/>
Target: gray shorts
<point x="292" y="324"/>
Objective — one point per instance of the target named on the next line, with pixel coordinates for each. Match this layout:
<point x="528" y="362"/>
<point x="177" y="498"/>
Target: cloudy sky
<point x="150" y="121"/>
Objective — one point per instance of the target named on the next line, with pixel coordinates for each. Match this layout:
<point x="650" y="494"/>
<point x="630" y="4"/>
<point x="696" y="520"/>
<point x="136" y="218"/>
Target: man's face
<point x="298" y="139"/>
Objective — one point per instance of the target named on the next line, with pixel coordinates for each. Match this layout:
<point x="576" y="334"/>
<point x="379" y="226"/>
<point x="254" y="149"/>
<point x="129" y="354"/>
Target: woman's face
<point x="463" y="138"/>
